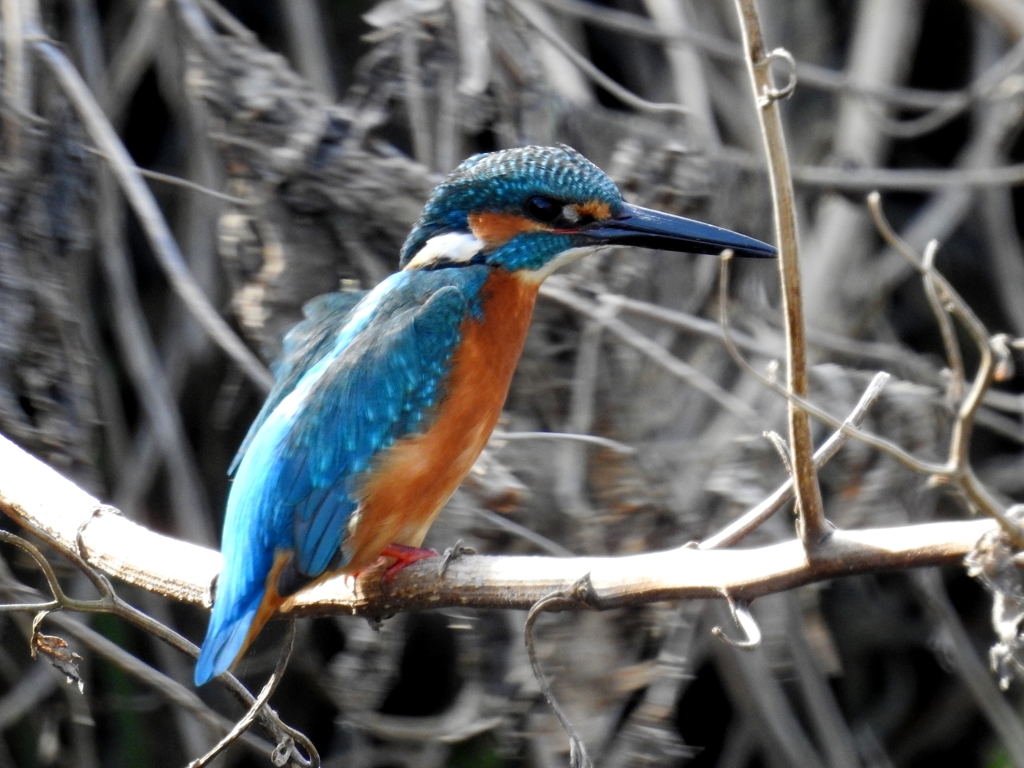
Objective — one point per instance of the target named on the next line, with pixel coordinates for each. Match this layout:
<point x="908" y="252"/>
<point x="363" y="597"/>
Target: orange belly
<point x="415" y="477"/>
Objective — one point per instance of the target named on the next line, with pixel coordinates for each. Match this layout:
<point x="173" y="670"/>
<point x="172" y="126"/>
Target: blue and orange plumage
<point x="385" y="399"/>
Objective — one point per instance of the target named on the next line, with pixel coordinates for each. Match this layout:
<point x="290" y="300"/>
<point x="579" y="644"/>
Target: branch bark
<point x="43" y="501"/>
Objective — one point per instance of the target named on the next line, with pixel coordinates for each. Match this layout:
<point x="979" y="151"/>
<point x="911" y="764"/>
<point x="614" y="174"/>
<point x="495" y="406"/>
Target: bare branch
<point x="43" y="501"/>
<point x="813" y="528"/>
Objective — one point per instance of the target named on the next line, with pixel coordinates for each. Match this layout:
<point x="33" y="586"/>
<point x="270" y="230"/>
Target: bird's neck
<point x="507" y="303"/>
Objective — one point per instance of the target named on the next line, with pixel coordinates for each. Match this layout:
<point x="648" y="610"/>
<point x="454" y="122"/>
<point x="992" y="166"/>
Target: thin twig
<point x="978" y="176"/>
<point x="954" y="357"/>
<point x="603" y="442"/>
<point x="673" y="318"/>
<point x="110" y="602"/>
<point x="753" y="519"/>
<point x="260" y="701"/>
<point x="559" y="600"/>
<point x="813" y="527"/>
<point x="945" y="470"/>
<point x="991" y="81"/>
<point x="652" y="350"/>
<point x="177" y="181"/>
<point x="726" y="50"/>
<point x="891" y="354"/>
<point x="959" y="444"/>
<point x="779" y="444"/>
<point x="170" y="690"/>
<point x="511" y="526"/>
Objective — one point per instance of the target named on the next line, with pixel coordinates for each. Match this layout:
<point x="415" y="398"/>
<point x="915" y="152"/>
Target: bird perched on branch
<point x="384" y="400"/>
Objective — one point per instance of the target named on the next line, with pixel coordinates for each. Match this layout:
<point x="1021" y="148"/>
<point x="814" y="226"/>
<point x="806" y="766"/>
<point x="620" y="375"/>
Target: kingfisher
<point x="384" y="399"/>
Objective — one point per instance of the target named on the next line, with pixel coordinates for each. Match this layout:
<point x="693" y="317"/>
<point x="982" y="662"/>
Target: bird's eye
<point x="543" y="209"/>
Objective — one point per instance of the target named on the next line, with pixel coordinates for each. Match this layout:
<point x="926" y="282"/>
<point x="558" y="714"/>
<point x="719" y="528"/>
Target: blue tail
<point x="225" y="640"/>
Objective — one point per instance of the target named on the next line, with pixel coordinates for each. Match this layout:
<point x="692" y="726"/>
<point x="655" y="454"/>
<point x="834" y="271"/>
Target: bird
<point x="384" y="399"/>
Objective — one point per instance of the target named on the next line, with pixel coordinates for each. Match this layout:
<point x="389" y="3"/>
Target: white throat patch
<point x="538" y="276"/>
<point x="458" y="247"/>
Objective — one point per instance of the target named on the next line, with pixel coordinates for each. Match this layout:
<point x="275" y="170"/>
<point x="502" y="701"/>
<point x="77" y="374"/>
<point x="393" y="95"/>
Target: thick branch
<point x="43" y="501"/>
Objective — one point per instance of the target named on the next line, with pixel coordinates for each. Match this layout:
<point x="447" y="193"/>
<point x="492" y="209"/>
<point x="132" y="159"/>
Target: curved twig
<point x="559" y="600"/>
<point x="651" y="349"/>
<point x="747" y="624"/>
<point x="73" y="547"/>
<point x="283" y="751"/>
<point x="945" y="471"/>
<point x="813" y="75"/>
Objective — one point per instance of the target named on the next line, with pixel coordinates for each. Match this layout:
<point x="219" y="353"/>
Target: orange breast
<point x="415" y="477"/>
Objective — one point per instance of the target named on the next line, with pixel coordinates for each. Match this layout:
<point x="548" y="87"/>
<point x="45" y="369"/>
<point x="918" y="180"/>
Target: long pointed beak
<point x="666" y="232"/>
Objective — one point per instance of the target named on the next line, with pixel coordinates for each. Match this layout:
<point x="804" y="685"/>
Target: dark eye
<point x="543" y="209"/>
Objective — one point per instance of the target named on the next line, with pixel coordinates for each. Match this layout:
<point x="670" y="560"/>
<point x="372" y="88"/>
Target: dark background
<point x="328" y="151"/>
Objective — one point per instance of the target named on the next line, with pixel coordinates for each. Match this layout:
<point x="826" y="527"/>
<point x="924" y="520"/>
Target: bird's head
<point x="532" y="209"/>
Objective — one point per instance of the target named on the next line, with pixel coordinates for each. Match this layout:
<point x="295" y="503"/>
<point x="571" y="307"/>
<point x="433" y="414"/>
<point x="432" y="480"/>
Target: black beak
<point x="663" y="231"/>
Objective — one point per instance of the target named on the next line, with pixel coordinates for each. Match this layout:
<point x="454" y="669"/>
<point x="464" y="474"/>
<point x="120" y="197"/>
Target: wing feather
<point x="303" y="347"/>
<point x="379" y="391"/>
<point x="370" y="378"/>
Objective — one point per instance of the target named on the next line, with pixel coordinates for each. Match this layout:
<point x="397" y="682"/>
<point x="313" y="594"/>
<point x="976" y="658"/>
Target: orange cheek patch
<point x="595" y="209"/>
<point x="496" y="229"/>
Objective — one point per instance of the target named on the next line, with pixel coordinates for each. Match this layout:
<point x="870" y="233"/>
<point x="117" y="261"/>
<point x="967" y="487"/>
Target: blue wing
<point x="373" y="382"/>
<point x="304" y="346"/>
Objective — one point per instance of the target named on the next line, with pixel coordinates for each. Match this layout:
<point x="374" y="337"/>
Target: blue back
<point x="367" y="377"/>
<point x="304" y="345"/>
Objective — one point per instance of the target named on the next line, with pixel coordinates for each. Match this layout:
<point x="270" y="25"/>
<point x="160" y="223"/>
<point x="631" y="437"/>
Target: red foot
<point x="403" y="557"/>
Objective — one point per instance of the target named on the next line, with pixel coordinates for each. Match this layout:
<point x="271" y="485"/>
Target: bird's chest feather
<point x="414" y="478"/>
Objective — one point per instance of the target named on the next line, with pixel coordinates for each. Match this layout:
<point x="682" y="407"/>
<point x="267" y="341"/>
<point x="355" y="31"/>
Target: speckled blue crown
<point x="504" y="181"/>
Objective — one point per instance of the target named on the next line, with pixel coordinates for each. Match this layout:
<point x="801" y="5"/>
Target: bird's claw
<point x="404" y="557"/>
<point x="453" y="553"/>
